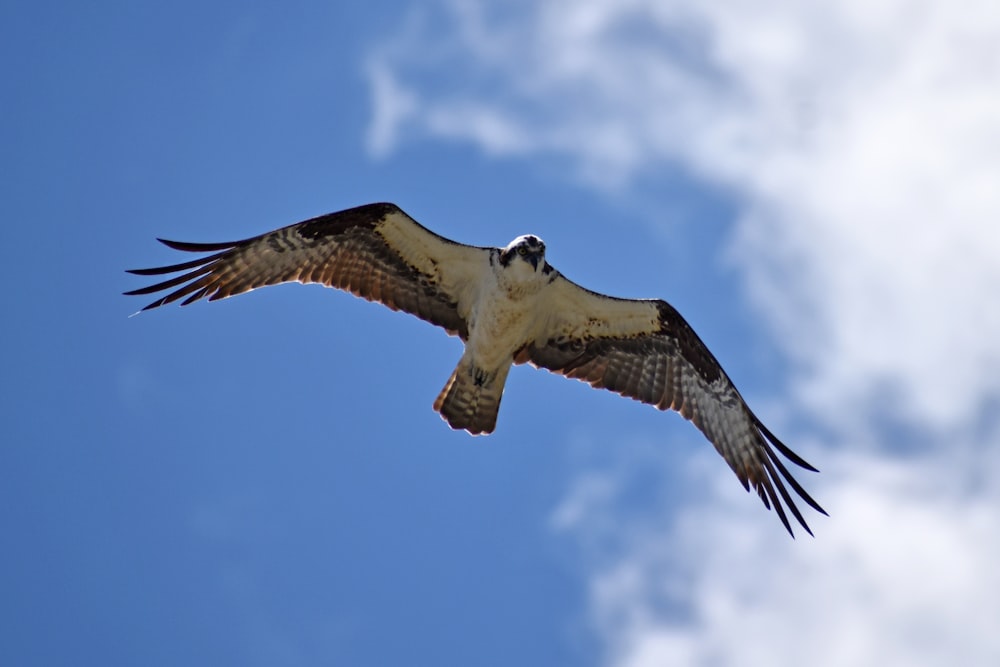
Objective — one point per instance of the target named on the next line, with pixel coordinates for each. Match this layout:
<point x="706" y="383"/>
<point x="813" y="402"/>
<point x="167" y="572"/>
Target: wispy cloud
<point x="901" y="574"/>
<point x="392" y="107"/>
<point x="863" y="140"/>
<point x="864" y="137"/>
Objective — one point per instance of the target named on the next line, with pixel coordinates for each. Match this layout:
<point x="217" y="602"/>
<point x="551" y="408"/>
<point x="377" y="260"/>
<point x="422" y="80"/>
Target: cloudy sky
<point x="262" y="480"/>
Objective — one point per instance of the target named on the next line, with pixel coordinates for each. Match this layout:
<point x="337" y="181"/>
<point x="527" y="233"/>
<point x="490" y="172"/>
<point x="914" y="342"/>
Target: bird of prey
<point x="509" y="306"/>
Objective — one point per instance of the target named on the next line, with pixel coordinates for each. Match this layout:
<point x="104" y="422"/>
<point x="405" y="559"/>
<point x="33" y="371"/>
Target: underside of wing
<point x="374" y="251"/>
<point x="645" y="350"/>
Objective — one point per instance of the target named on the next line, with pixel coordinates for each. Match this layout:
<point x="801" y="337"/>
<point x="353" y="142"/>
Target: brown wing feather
<point x="668" y="366"/>
<point x="348" y="250"/>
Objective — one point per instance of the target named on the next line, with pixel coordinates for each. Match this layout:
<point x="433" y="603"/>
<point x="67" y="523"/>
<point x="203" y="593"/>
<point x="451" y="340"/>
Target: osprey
<point x="509" y="306"/>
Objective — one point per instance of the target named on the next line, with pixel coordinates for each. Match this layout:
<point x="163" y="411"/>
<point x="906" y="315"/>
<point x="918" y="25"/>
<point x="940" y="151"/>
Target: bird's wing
<point x="643" y="349"/>
<point x="375" y="251"/>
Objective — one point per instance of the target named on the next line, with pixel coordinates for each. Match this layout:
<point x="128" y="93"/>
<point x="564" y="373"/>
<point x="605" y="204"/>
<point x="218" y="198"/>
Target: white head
<point x="525" y="252"/>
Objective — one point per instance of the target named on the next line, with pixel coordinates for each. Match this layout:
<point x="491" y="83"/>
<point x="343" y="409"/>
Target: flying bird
<point x="509" y="306"/>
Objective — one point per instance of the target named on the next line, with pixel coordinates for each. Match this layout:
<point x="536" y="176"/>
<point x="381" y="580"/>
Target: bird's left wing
<point x="375" y="251"/>
<point x="645" y="350"/>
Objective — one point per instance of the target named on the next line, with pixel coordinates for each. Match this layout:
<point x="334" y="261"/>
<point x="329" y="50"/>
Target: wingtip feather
<point x="188" y="246"/>
<point x="785" y="450"/>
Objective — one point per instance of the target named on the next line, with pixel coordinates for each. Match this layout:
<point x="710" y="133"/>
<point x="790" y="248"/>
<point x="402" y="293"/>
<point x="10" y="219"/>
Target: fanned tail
<point x="471" y="398"/>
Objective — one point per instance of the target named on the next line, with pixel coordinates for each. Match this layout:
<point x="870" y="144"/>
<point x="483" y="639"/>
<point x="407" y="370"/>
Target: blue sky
<point x="263" y="481"/>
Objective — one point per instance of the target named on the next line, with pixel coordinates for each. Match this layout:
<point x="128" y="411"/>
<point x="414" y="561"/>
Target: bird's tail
<point x="471" y="398"/>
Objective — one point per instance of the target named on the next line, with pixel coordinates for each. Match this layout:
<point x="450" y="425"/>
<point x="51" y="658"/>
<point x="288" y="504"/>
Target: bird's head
<point x="529" y="249"/>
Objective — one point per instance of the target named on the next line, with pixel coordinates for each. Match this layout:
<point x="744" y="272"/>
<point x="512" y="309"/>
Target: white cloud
<point x="903" y="574"/>
<point x="392" y="106"/>
<point x="863" y="141"/>
<point x="864" y="137"/>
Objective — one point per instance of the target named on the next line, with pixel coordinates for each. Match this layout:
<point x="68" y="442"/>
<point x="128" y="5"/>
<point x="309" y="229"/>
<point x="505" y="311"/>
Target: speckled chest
<point x="506" y="316"/>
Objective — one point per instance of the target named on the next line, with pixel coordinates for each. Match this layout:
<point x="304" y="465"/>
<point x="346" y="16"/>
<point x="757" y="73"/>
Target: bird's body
<point x="509" y="306"/>
<point x="508" y="312"/>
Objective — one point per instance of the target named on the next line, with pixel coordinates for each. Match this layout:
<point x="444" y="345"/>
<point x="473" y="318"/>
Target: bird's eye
<point x="522" y="251"/>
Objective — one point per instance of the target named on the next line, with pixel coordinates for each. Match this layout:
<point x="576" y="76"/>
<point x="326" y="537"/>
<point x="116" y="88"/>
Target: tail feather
<point x="471" y="398"/>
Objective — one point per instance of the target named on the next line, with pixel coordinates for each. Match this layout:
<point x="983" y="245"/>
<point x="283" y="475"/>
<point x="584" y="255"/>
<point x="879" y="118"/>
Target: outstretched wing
<point x="375" y="251"/>
<point x="643" y="349"/>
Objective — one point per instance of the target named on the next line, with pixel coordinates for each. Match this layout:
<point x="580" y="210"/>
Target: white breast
<point x="505" y="317"/>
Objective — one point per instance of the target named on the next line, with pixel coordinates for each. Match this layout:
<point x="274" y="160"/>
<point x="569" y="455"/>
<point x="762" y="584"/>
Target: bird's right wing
<point x="375" y="251"/>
